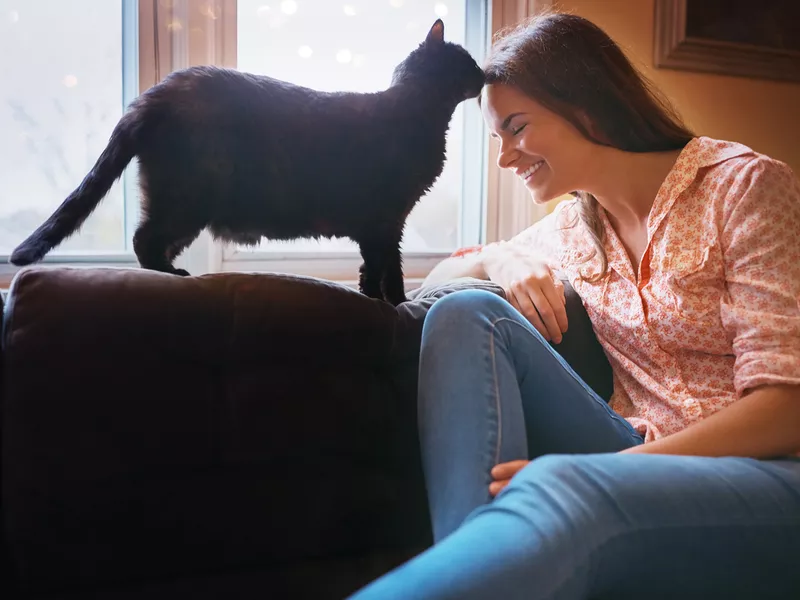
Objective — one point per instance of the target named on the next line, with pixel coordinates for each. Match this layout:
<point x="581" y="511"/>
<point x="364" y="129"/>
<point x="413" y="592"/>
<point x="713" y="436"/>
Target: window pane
<point x="354" y="45"/>
<point x="62" y="93"/>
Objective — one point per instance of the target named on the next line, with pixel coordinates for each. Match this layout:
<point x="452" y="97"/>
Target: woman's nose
<point x="506" y="155"/>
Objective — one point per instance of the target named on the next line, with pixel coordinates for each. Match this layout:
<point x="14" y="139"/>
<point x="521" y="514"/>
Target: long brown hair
<point x="574" y="69"/>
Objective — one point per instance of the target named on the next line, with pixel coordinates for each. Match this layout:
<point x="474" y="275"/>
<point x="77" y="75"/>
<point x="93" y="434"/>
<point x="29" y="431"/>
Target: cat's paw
<point x="181" y="272"/>
<point x="395" y="299"/>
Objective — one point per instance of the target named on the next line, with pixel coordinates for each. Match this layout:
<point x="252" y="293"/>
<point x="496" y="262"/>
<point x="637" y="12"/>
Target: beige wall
<point x="764" y="115"/>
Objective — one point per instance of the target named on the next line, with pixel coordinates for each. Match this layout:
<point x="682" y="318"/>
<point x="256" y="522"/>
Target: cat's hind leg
<point x="157" y="243"/>
<point x="179" y="245"/>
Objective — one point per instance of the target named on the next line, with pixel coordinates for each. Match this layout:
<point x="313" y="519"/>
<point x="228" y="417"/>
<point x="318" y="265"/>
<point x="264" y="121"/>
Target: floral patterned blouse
<point x="714" y="308"/>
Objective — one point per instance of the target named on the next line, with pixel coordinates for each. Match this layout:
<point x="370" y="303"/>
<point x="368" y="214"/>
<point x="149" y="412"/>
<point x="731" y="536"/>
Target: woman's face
<point x="545" y="150"/>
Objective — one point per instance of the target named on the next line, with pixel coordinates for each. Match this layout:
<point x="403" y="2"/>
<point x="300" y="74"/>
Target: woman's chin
<point x="539" y="196"/>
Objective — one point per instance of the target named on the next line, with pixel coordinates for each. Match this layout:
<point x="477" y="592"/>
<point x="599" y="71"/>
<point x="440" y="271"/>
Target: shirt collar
<point x="699" y="153"/>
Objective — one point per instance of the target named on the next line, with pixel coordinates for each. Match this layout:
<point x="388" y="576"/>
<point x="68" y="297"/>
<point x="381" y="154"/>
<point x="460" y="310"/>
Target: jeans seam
<point x="498" y="408"/>
<point x="571" y="372"/>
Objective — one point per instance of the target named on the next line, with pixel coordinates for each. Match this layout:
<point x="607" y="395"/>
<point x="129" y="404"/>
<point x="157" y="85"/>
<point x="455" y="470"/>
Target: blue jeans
<point x="579" y="521"/>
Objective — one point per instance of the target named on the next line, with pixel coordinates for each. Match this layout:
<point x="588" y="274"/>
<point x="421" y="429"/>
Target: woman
<point x="685" y="252"/>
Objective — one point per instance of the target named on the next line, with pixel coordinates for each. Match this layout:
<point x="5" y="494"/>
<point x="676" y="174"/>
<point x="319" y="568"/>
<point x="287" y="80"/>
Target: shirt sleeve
<point x="761" y="246"/>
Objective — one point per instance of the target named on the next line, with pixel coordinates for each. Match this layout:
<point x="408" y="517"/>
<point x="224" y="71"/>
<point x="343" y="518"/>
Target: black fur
<point x="248" y="156"/>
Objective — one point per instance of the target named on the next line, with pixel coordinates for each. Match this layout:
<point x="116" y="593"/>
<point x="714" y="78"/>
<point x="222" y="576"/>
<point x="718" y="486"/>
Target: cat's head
<point x="442" y="65"/>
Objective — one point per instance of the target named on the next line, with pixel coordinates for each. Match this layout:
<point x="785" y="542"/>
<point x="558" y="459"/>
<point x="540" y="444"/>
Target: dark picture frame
<point x="744" y="38"/>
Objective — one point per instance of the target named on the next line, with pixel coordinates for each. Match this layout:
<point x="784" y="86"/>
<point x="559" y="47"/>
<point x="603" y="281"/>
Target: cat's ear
<point x="436" y="34"/>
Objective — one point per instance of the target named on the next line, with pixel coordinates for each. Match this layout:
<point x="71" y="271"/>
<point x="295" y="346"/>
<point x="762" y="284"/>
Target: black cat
<point x="249" y="156"/>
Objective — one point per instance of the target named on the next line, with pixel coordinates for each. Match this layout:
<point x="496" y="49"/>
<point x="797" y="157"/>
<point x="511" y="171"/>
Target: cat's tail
<point x="73" y="211"/>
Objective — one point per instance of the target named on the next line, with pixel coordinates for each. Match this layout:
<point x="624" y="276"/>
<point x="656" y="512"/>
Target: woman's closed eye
<point x="519" y="129"/>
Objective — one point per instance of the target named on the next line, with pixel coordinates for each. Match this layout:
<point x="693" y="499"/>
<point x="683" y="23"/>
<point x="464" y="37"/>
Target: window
<point x="68" y="70"/>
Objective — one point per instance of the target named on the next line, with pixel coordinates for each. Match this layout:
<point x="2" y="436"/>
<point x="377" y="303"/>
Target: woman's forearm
<point x="470" y="265"/>
<point x="763" y="424"/>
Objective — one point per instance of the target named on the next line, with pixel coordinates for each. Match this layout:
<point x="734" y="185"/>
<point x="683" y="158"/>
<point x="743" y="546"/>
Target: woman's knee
<point x="573" y="487"/>
<point x="553" y="495"/>
<point x="587" y="489"/>
<point x="548" y="472"/>
<point x="461" y="307"/>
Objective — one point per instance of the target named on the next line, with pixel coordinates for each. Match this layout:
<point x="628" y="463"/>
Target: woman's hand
<point x="529" y="287"/>
<point x="503" y="473"/>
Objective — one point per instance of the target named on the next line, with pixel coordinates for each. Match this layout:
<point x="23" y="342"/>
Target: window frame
<point x="157" y="50"/>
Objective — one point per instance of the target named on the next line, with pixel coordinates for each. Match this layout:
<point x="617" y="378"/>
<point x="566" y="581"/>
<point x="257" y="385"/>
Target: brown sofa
<point x="224" y="436"/>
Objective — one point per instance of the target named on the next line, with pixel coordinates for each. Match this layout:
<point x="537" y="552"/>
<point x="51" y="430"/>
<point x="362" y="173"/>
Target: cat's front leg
<point x="369" y="282"/>
<point x="393" y="284"/>
<point x="370" y="273"/>
<point x="381" y="274"/>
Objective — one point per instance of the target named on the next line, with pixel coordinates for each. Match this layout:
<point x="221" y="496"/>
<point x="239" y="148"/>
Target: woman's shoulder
<point x="724" y="156"/>
<point x="726" y="172"/>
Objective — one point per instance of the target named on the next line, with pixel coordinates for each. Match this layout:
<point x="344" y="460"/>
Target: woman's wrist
<point x="490" y="259"/>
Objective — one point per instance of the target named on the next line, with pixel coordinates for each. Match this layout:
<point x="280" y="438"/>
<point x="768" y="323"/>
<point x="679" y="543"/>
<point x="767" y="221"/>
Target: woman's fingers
<point x="541" y="305"/>
<point x="508" y="469"/>
<point x="523" y="303"/>
<point x="557" y="303"/>
<point x="503" y="473"/>
<point x="547" y="312"/>
<point x="541" y="300"/>
<point x="497" y="486"/>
